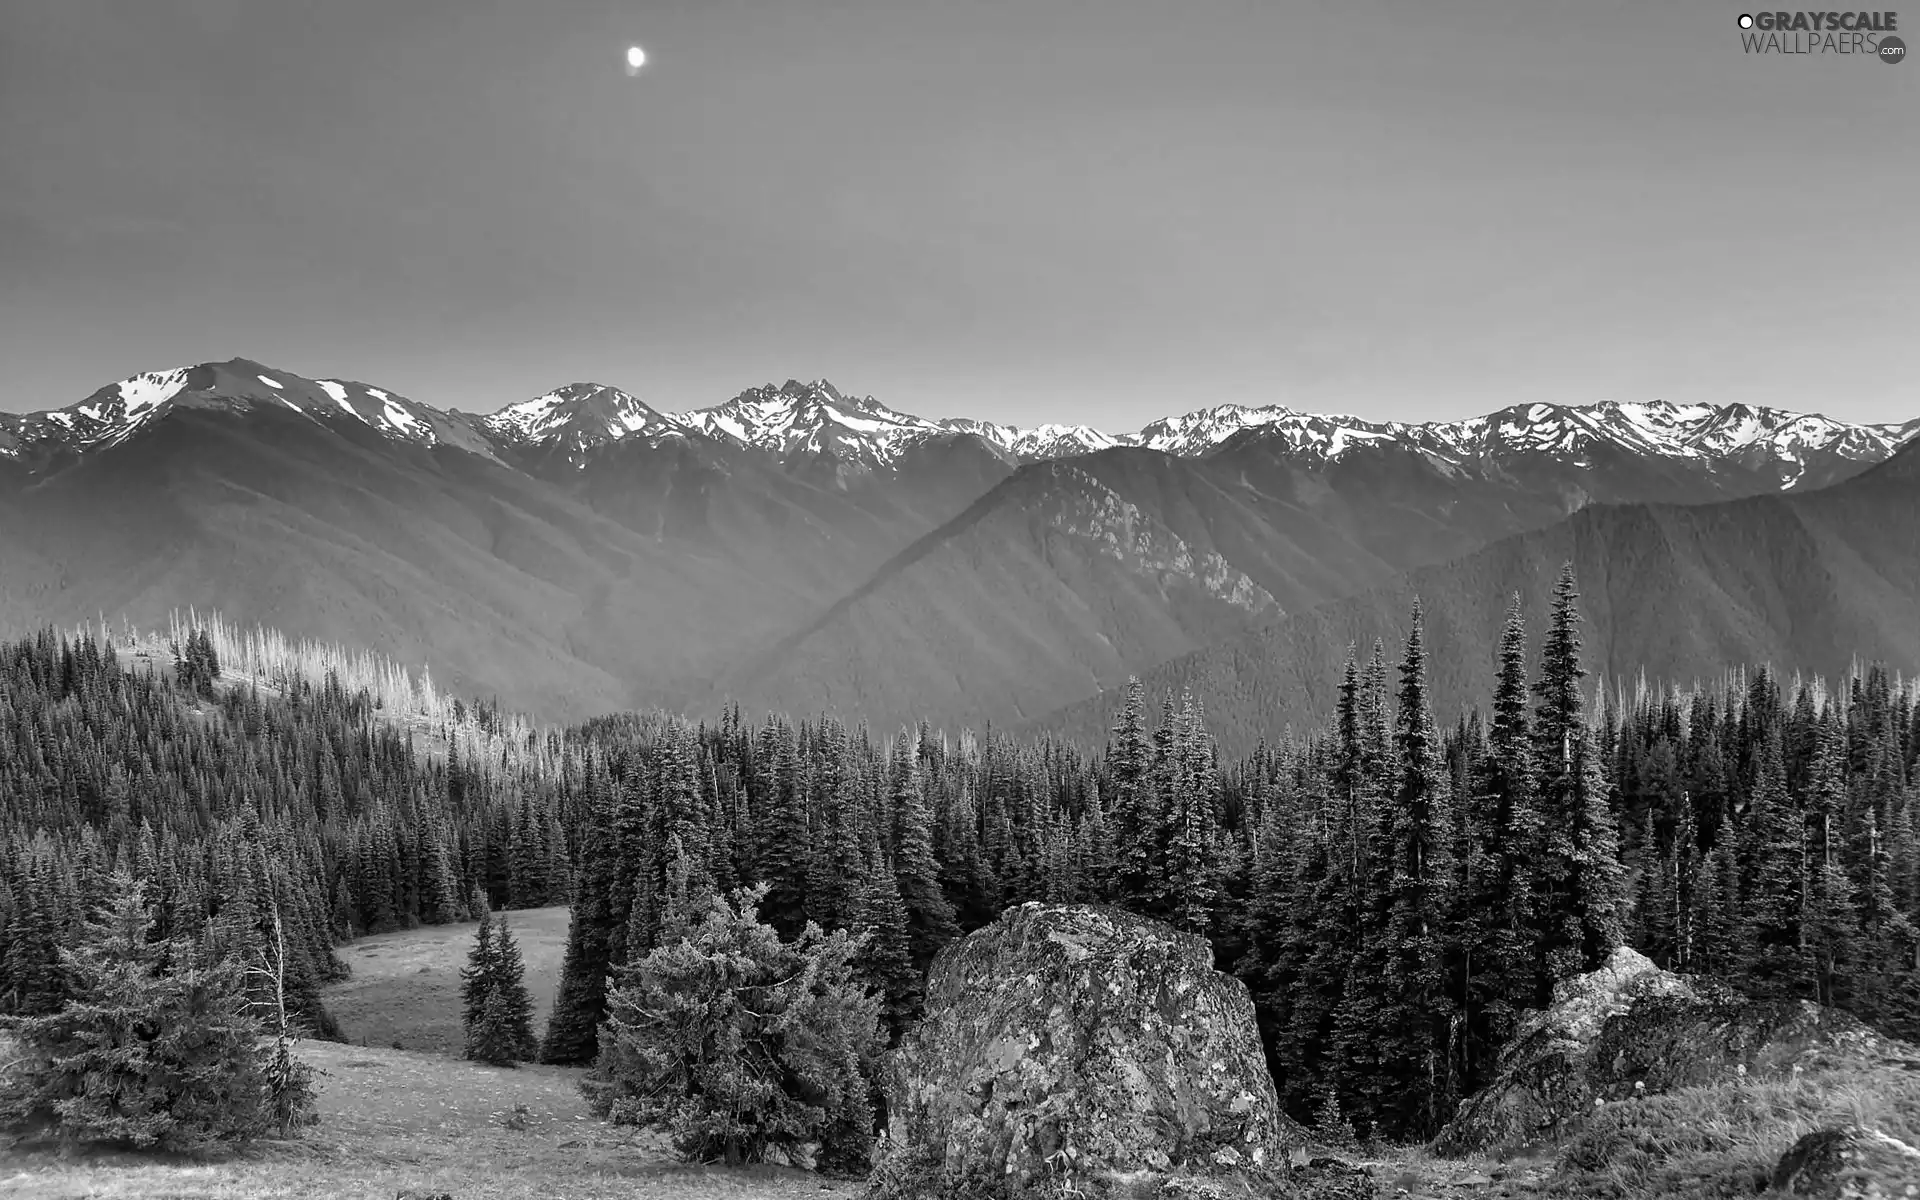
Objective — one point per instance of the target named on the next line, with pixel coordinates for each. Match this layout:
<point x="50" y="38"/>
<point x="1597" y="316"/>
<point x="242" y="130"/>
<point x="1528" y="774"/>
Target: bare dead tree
<point x="289" y="1080"/>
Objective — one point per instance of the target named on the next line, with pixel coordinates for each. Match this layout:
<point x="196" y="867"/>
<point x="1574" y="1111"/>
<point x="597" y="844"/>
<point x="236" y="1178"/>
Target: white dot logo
<point x="1746" y="20"/>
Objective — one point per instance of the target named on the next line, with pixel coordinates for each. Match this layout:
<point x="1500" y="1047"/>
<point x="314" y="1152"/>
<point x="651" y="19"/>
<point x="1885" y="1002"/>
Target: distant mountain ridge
<point x="797" y="546"/>
<point x="798" y="419"/>
<point x="1804" y="580"/>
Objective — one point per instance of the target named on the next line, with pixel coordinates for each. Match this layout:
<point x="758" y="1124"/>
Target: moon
<point x="636" y="58"/>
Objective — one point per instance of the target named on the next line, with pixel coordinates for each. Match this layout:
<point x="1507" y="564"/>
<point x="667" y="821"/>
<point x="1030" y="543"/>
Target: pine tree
<point x="887" y="961"/>
<point x="1407" y="1012"/>
<point x="579" y="1005"/>
<point x="1598" y="878"/>
<point x="1772" y="942"/>
<point x="1134" y="815"/>
<point x="476" y="979"/>
<point x="1190" y="889"/>
<point x="930" y="918"/>
<point x="1831" y="922"/>
<point x="1581" y="877"/>
<point x="1500" y="966"/>
<point x="503" y="1034"/>
<point x="154" y="1047"/>
<point x="785" y="853"/>
<point x="834" y="899"/>
<point x="531" y="878"/>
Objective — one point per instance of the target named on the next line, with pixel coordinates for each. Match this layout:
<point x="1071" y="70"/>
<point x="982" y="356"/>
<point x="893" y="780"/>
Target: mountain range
<point x="800" y="419"/>
<point x="802" y="548"/>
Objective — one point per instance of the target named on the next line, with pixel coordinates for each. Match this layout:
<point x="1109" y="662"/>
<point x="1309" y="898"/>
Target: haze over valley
<point x="800" y="548"/>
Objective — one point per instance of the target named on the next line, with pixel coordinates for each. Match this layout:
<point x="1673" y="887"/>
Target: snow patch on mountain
<point x="338" y="392"/>
<point x="143" y="392"/>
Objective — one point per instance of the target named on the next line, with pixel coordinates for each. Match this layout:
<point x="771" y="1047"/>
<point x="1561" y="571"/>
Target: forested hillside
<point x="1806" y="581"/>
<point x="1393" y="890"/>
<point x="232" y="804"/>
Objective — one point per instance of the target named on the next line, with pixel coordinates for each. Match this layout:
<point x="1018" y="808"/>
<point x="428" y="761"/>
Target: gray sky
<point x="1026" y="210"/>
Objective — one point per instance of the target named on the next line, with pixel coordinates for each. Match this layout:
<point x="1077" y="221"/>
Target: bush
<point x="1330" y="1124"/>
<point x="740" y="1045"/>
<point x="155" y="1047"/>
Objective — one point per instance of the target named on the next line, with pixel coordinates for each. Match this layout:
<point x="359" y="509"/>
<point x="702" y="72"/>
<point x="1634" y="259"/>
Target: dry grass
<point x="1721" y="1140"/>
<point x="393" y="1120"/>
<point x="1703" y="1143"/>
<point x="405" y="986"/>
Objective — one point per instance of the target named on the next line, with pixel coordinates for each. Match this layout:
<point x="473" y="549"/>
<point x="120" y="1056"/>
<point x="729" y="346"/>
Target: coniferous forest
<point x="1395" y="887"/>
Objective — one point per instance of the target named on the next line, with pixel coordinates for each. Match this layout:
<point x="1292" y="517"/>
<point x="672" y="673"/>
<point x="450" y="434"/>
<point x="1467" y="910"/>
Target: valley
<point x="799" y="548"/>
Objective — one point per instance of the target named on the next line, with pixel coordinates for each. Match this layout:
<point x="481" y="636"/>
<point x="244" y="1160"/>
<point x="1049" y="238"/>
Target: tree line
<point x="232" y="806"/>
<point x="1395" y="891"/>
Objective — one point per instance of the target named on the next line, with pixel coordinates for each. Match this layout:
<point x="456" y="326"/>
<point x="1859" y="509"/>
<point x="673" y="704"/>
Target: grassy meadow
<point x="405" y="989"/>
<point x="420" y="1118"/>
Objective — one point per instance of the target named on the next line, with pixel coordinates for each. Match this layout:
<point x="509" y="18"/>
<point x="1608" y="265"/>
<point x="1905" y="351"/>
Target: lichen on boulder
<point x="1631" y="1029"/>
<point x="1072" y="1040"/>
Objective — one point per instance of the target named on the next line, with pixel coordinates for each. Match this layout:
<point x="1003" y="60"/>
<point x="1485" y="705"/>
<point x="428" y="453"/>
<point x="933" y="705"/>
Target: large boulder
<point x="1632" y="1029"/>
<point x="1069" y="1039"/>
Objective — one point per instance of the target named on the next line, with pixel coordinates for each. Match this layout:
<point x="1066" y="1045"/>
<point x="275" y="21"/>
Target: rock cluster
<point x="1086" y="1042"/>
<point x="1627" y="1029"/>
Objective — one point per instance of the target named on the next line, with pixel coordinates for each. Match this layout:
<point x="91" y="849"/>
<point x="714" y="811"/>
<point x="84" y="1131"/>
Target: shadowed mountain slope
<point x="1804" y="581"/>
<point x="798" y="547"/>
<point x="502" y="583"/>
<point x="1073" y="574"/>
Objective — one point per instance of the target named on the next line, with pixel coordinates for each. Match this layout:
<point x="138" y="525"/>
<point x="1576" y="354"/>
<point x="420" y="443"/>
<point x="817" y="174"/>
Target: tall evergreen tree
<point x="1581" y="877"/>
<point x="1831" y="923"/>
<point x="1191" y="888"/>
<point x="1403" y="1016"/>
<point x="477" y="979"/>
<point x="1500" y="971"/>
<point x="930" y="918"/>
<point x="503" y="1035"/>
<point x="1129" y="757"/>
<point x="1772" y="938"/>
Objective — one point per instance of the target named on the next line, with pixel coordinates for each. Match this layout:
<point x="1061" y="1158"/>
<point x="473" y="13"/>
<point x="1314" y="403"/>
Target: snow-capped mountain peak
<point x="108" y="415"/>
<point x="801" y="419"/>
<point x="812" y="417"/>
<point x="116" y="411"/>
<point x="584" y="414"/>
<point x="1752" y="437"/>
<point x="1201" y="430"/>
<point x="1040" y="442"/>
